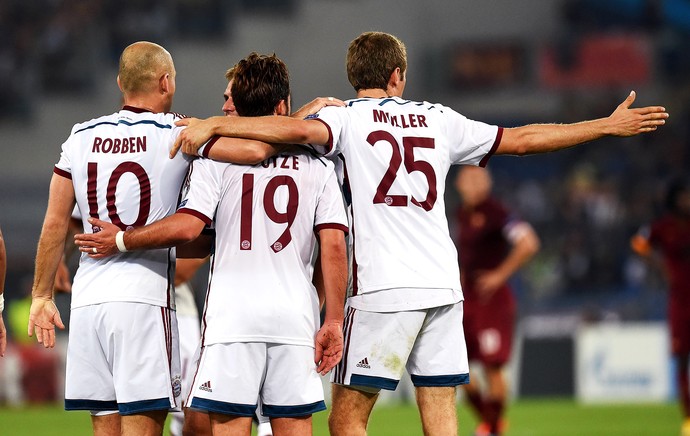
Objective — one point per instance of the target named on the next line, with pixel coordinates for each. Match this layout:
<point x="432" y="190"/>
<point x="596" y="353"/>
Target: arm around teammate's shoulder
<point x="543" y="138"/>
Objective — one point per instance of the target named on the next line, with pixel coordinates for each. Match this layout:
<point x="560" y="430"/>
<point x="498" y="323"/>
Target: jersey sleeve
<point x="472" y="142"/>
<point x="330" y="209"/>
<point x="64" y="166"/>
<point x="334" y="119"/>
<point x="201" y="190"/>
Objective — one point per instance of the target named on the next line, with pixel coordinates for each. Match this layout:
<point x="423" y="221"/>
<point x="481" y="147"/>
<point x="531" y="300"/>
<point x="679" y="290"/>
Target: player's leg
<point x="437" y="410"/>
<point x="496" y="397"/>
<point x="292" y="390"/>
<point x="437" y="365"/>
<point x="472" y="391"/>
<point x="226" y="385"/>
<point x="196" y="423"/>
<point x="144" y="423"/>
<point x="291" y="426"/>
<point x="146" y="367"/>
<point x="350" y="410"/>
<point x="230" y="425"/>
<point x="105" y="424"/>
<point x="377" y="346"/>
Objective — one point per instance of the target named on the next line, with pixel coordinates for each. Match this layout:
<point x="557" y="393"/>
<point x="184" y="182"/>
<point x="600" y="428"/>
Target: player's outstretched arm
<point x="173" y="230"/>
<point x="542" y="138"/>
<point x="329" y="339"/>
<point x="273" y="129"/>
<point x="44" y="315"/>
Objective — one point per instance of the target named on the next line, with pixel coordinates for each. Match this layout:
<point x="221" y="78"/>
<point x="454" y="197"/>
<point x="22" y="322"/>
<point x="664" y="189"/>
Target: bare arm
<point x="186" y="268"/>
<point x="316" y="105"/>
<point x="525" y="244"/>
<point x="543" y="138"/>
<point x="272" y="129"/>
<point x="44" y="316"/>
<point x="178" y="228"/>
<point x="242" y="151"/>
<point x="329" y="339"/>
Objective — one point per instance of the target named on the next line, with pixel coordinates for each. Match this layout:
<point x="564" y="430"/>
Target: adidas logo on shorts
<point x="364" y="363"/>
<point x="206" y="387"/>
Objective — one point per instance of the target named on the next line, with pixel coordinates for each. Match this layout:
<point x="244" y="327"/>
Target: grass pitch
<point x="551" y="417"/>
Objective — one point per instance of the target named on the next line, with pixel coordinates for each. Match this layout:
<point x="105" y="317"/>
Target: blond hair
<point x="141" y="65"/>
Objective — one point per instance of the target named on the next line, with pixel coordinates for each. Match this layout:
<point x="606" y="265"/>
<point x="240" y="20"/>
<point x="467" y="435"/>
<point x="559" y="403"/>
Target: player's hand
<point x="328" y="346"/>
<point x="43" y="318"/>
<point x="3" y="337"/>
<point x="488" y="282"/>
<point x="100" y="244"/>
<point x="62" y="278"/>
<point x="197" y="133"/>
<point x="625" y="121"/>
<point x="316" y="105"/>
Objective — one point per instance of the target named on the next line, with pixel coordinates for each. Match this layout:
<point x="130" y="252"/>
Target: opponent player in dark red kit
<point x="492" y="245"/>
<point x="669" y="236"/>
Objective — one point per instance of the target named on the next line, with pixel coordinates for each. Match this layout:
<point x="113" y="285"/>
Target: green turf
<point x="526" y="418"/>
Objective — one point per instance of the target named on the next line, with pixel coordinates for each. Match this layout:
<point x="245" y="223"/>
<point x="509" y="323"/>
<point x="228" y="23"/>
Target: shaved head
<point x="142" y="64"/>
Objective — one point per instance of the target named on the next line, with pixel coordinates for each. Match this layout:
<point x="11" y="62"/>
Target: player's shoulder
<point x="94" y="122"/>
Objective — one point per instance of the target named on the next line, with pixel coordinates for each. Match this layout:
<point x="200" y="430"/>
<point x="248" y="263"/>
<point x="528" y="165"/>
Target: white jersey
<point x="266" y="216"/>
<point x="397" y="154"/>
<point x="121" y="173"/>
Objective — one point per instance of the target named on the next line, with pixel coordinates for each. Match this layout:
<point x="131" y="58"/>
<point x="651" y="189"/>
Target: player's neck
<point x="372" y="93"/>
<point x="146" y="104"/>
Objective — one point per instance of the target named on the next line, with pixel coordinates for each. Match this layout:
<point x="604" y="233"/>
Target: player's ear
<point x="282" y="108"/>
<point x="119" y="85"/>
<point x="164" y="83"/>
<point x="396" y="83"/>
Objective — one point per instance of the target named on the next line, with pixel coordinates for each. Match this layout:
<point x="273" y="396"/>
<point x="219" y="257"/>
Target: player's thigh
<point x="146" y="357"/>
<point x="377" y="346"/>
<point x="493" y="330"/>
<point x="292" y="387"/>
<point x="439" y="355"/>
<point x="229" y="378"/>
<point x="88" y="378"/>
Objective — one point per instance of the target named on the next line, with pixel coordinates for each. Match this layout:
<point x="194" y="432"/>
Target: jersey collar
<point x="136" y="110"/>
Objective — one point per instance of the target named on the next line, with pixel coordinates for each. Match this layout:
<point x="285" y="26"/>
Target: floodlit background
<point x="592" y="314"/>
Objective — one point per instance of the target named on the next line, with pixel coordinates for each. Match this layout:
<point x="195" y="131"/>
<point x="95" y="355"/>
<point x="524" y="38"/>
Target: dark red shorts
<point x="489" y="327"/>
<point x="679" y="326"/>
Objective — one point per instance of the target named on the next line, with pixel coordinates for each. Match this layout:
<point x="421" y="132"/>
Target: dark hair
<point x="260" y="83"/>
<point x="676" y="187"/>
<point x="371" y="59"/>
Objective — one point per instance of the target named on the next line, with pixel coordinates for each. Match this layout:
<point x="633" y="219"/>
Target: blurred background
<point x="505" y="63"/>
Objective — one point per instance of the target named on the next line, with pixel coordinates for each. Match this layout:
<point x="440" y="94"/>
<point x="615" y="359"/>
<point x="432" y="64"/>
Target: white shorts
<point x="190" y="336"/>
<point x="122" y="357"/>
<point x="430" y="343"/>
<point x="232" y="376"/>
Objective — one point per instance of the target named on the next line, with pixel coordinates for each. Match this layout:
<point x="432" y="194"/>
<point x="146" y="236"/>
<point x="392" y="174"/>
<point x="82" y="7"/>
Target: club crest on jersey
<point x="177" y="386"/>
<point x="277" y="247"/>
<point x="246" y="245"/>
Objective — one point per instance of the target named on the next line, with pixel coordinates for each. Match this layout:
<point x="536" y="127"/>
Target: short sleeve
<point x="334" y="118"/>
<point x="472" y="142"/>
<point x="201" y="190"/>
<point x="330" y="209"/>
<point x="64" y="165"/>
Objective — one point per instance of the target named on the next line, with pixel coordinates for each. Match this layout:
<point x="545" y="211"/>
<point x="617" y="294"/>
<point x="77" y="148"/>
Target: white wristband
<point x="2" y="302"/>
<point x="120" y="241"/>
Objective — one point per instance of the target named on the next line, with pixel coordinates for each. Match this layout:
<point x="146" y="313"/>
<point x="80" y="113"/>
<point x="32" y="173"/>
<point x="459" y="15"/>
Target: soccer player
<point x="492" y="245"/>
<point x="3" y="271"/>
<point x="116" y="168"/>
<point x="260" y="334"/>
<point x="669" y="236"/>
<point x="406" y="307"/>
